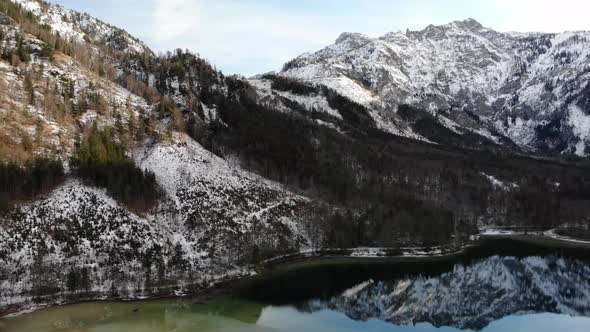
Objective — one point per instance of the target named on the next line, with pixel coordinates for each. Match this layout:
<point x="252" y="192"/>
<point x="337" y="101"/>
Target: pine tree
<point x="47" y="51"/>
<point x="101" y="160"/>
<point x="14" y="59"/>
<point x="119" y="123"/>
<point x="39" y="128"/>
<point x="141" y="131"/>
<point x="59" y="43"/>
<point x="26" y="141"/>
<point x="22" y="50"/>
<point x="132" y="125"/>
<point x="72" y="281"/>
<point x="85" y="282"/>
<point x="82" y="105"/>
<point x="29" y="88"/>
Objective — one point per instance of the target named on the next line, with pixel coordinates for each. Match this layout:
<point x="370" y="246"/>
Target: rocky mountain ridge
<point x="529" y="87"/>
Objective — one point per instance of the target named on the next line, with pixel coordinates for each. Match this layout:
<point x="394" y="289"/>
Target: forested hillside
<point x="385" y="190"/>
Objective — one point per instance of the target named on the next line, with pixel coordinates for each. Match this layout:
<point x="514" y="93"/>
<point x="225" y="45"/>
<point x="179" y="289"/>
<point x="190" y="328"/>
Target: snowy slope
<point x="50" y="80"/>
<point x="528" y="87"/>
<point x="71" y="24"/>
<point x="206" y="227"/>
<point x="224" y="203"/>
<point x="74" y="227"/>
<point x="59" y="133"/>
<point x="283" y="101"/>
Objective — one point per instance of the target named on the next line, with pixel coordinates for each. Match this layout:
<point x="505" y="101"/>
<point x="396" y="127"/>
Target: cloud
<point x="542" y="15"/>
<point x="175" y="18"/>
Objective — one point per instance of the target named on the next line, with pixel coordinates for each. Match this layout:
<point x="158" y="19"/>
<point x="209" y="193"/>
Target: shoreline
<point x="323" y="257"/>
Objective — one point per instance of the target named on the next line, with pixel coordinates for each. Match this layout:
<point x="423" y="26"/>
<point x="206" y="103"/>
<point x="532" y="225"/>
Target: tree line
<point x="24" y="182"/>
<point x="102" y="161"/>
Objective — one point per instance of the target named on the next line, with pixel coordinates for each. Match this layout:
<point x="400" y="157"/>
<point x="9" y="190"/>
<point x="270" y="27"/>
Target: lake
<point x="532" y="289"/>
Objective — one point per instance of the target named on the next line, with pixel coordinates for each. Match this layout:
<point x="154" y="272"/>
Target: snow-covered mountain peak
<point x="472" y="23"/>
<point x="467" y="26"/>
<point x="522" y="86"/>
<point x="352" y="38"/>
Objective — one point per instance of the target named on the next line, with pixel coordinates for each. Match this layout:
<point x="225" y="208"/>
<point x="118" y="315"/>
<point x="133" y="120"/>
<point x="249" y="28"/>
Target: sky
<point x="250" y="37"/>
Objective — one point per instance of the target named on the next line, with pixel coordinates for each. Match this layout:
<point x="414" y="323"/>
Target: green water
<point x="222" y="314"/>
<point x="228" y="315"/>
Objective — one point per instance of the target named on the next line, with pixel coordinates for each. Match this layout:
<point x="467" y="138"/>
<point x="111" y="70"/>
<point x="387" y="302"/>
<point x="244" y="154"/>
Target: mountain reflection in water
<point x="470" y="297"/>
<point x="496" y="293"/>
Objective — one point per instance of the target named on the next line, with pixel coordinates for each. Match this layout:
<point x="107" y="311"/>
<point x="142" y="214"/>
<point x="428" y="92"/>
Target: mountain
<point x="70" y="81"/>
<point x="81" y="27"/>
<point x="205" y="229"/>
<point x="470" y="297"/>
<point x="531" y="88"/>
<point x="126" y="174"/>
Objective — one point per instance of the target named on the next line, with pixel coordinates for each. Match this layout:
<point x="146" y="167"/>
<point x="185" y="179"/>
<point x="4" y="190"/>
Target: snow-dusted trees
<point x="78" y="280"/>
<point x="166" y="109"/>
<point x="398" y="192"/>
<point x="140" y="88"/>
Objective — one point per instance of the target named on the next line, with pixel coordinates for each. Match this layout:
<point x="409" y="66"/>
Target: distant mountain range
<point x="531" y="88"/>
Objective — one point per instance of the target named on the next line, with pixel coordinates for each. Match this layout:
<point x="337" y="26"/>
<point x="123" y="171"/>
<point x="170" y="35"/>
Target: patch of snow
<point x="580" y="123"/>
<point x="356" y="289"/>
<point x="499" y="184"/>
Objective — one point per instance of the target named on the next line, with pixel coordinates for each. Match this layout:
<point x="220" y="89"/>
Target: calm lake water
<point x="547" y="291"/>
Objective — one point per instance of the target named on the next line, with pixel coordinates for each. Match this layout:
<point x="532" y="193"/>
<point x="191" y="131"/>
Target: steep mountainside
<point x="531" y="88"/>
<point x="47" y="96"/>
<point x="78" y="242"/>
<point x="60" y="93"/>
<point x="81" y="27"/>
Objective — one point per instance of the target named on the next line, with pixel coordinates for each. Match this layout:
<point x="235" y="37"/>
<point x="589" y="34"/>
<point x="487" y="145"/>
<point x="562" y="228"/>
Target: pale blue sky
<point x="256" y="36"/>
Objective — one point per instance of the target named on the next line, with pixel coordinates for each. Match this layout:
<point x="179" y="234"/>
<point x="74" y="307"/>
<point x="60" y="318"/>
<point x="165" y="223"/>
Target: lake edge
<point x="544" y="244"/>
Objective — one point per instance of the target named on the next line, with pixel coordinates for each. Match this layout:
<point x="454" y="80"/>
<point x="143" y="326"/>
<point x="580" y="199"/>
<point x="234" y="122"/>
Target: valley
<point x="130" y="175"/>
